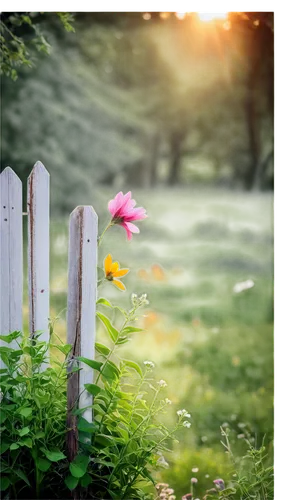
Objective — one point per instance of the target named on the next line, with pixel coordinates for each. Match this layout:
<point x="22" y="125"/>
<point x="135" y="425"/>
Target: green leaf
<point x="65" y="349"/>
<point x="26" y="412"/>
<point x="120" y="309"/>
<point x="26" y="442"/>
<point x="104" y="441"/>
<point x="23" y="476"/>
<point x="39" y="435"/>
<point x="5" y="358"/>
<point x="14" y="446"/>
<point x="78" y="411"/>
<point x="102" y="349"/>
<point x="123" y="340"/>
<point x="104" y="302"/>
<point x="85" y="426"/>
<point x="4" y="447"/>
<point x="86" y="480"/>
<point x="9" y="338"/>
<point x="3" y="417"/>
<point x="79" y="465"/>
<point x="24" y="431"/>
<point x="110" y="371"/>
<point x="96" y="365"/>
<point x="131" y="329"/>
<point x="71" y="482"/>
<point x="4" y="483"/>
<point x="92" y="389"/>
<point x="109" y="327"/>
<point x="146" y="473"/>
<point x="54" y="455"/>
<point x="27" y="20"/>
<point x="43" y="464"/>
<point x="133" y="365"/>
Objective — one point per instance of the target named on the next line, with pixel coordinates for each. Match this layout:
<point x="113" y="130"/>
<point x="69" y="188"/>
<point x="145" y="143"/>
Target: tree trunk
<point x="175" y="159"/>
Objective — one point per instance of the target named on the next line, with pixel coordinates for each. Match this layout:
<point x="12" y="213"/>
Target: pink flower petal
<point x="125" y="203"/>
<point x="129" y="233"/>
<point x="112" y="207"/>
<point x="132" y="227"/>
<point x="129" y="206"/>
<point x="136" y="214"/>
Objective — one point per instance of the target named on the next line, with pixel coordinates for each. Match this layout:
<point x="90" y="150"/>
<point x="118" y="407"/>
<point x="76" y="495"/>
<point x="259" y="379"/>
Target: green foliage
<point x="252" y="474"/>
<point x="21" y="36"/>
<point x="33" y="408"/>
<point x="126" y="438"/>
<point x="117" y="451"/>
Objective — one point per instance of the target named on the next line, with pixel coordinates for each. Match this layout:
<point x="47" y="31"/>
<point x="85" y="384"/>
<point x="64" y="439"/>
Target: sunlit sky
<point x="203" y="16"/>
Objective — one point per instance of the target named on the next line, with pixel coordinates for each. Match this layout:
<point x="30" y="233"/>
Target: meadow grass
<point x="214" y="347"/>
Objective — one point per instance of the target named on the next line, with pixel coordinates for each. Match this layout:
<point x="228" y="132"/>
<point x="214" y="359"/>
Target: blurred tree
<point x="144" y="100"/>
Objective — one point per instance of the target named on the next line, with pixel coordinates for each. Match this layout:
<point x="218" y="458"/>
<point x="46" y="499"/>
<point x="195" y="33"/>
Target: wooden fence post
<point x="38" y="249"/>
<point x="11" y="254"/>
<point x="81" y="309"/>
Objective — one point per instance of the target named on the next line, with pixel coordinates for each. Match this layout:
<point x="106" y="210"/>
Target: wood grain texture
<point x="11" y="254"/>
<point x="38" y="195"/>
<point x="81" y="309"/>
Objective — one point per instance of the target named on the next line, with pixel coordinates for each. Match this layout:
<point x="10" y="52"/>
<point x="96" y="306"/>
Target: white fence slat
<point x="38" y="195"/>
<point x="81" y="309"/>
<point x="11" y="254"/>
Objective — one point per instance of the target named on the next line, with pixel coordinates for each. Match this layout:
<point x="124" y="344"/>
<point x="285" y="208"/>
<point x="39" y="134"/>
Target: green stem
<point x="103" y="233"/>
<point x="99" y="283"/>
<point x="115" y="344"/>
<point x="37" y="482"/>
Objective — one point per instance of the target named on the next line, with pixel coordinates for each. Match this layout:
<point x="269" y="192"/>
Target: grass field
<point x="214" y="347"/>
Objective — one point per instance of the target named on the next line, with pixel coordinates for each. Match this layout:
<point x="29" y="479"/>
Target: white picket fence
<point x="82" y="272"/>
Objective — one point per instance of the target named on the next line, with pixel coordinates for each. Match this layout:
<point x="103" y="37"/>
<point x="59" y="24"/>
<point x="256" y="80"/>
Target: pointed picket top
<point x="11" y="253"/>
<point x="38" y="208"/>
<point x="9" y="173"/>
<point x="39" y="169"/>
<point x="86" y="210"/>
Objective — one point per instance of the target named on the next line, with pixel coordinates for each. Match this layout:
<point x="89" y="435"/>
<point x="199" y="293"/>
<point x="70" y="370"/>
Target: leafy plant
<point x="33" y="416"/>
<point x="126" y="438"/>
<point x="21" y="36"/>
<point x="116" y="449"/>
<point x="252" y="476"/>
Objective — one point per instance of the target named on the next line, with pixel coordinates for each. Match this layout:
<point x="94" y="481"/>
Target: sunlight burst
<point x="211" y="16"/>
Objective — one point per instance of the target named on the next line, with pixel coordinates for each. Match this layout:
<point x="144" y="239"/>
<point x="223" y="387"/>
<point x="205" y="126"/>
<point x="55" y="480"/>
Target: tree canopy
<point x="152" y="99"/>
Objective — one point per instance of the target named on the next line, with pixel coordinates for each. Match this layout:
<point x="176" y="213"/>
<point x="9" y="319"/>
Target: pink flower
<point x="123" y="212"/>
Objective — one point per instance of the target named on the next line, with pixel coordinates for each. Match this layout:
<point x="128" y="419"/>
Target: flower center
<point x="117" y="220"/>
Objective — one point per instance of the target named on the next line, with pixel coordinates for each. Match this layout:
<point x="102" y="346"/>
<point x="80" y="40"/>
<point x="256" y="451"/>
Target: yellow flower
<point x="112" y="271"/>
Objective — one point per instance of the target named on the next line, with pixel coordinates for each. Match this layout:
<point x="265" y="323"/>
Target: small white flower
<point x="168" y="401"/>
<point x="241" y="425"/>
<point x="162" y="383"/>
<point x="139" y="302"/>
<point x="207" y="476"/>
<point x="183" y="413"/>
<point x="225" y="424"/>
<point x="162" y="462"/>
<point x="194" y="480"/>
<point x="195" y="469"/>
<point x="149" y="364"/>
<point x="187" y="424"/>
<point x="204" y="439"/>
<point x="243" y="285"/>
<point x="240" y="436"/>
